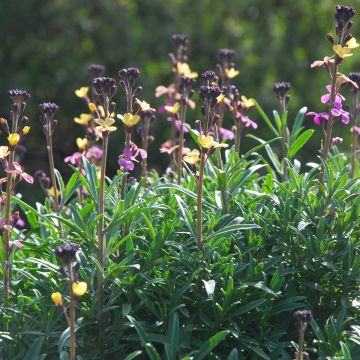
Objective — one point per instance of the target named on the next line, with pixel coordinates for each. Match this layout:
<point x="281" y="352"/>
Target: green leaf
<point x="300" y="142"/>
<point x="265" y="118"/>
<point x="211" y="344"/>
<point x="34" y="350"/>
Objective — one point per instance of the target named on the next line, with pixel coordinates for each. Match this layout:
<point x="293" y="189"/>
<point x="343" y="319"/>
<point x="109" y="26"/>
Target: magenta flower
<point x="319" y="118"/>
<point x="338" y="98"/>
<point x="94" y="153"/>
<point x="336" y="140"/>
<point x="247" y="122"/>
<point x="345" y="118"/>
<point x="74" y="159"/>
<point x="186" y="126"/>
<point x="127" y="159"/>
<point x="224" y="134"/>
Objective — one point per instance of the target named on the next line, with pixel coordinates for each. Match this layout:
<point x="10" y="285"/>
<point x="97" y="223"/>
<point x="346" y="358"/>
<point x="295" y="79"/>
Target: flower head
<point x="96" y="70"/>
<point x="19" y="96"/>
<point x="129" y="119"/>
<point x="281" y="88"/>
<point x="173" y="109"/>
<point x="183" y="69"/>
<point x="82" y="92"/>
<point x="319" y="118"/>
<point x="84" y="119"/>
<point x="303" y="315"/>
<point x="192" y="157"/>
<point x="106" y="124"/>
<point x="57" y="299"/>
<point x="67" y="252"/>
<point x="130" y="74"/>
<point x="79" y="288"/>
<point x="246" y="103"/>
<point x="4" y="152"/>
<point x="13" y="139"/>
<point x="82" y="143"/>
<point x="231" y="73"/>
<point x="144" y="106"/>
<point x="26" y="130"/>
<point x="226" y="55"/>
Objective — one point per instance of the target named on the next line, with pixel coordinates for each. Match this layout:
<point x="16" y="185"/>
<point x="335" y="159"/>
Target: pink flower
<point x="247" y="122"/>
<point x="319" y="118"/>
<point x="338" y="98"/>
<point x="94" y="152"/>
<point x="336" y="140"/>
<point x="345" y="118"/>
<point x="74" y="159"/>
<point x="356" y="130"/>
<point x="18" y="170"/>
<point x="126" y="161"/>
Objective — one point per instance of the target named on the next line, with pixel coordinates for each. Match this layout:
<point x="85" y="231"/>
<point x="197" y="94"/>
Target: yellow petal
<point x="4" y="151"/>
<point x="342" y="52"/>
<point x="206" y="141"/>
<point x="92" y="107"/>
<point x="129" y="119"/>
<point x="352" y="44"/>
<point x="220" y="98"/>
<point x="13" y="139"/>
<point x="83" y="119"/>
<point x="26" y="129"/>
<point x="231" y="73"/>
<point x="82" y="92"/>
<point x="57" y="298"/>
<point x="82" y="143"/>
<point x="79" y="289"/>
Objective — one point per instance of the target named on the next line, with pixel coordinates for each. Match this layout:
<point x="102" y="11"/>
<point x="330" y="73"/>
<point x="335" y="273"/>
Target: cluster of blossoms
<point x="343" y="44"/>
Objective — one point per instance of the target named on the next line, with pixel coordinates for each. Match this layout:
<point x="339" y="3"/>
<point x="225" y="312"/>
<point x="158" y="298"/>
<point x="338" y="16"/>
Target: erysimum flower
<point x="143" y="105"/>
<point x="183" y="69"/>
<point x="345" y="51"/>
<point x="192" y="157"/>
<point x="26" y="130"/>
<point x="126" y="161"/>
<point x="173" y="109"/>
<point x="105" y="124"/>
<point x="246" y="103"/>
<point x="129" y="119"/>
<point x="18" y="170"/>
<point x="4" y="152"/>
<point x="83" y="119"/>
<point x="82" y="92"/>
<point x="79" y="289"/>
<point x="13" y="139"/>
<point x="207" y="142"/>
<point x="57" y="299"/>
<point x="231" y="73"/>
<point x="82" y="143"/>
<point x="247" y="122"/>
<point x="319" y="118"/>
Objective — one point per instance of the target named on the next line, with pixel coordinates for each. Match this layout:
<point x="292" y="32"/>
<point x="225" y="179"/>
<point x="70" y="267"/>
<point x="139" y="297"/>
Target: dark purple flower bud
<point x="96" y="70"/>
<point x="198" y="126"/>
<point x="19" y="96"/>
<point x="209" y="76"/>
<point x="281" y="88"/>
<point x="130" y="74"/>
<point x="186" y="85"/>
<point x="112" y="107"/>
<point x="137" y="90"/>
<point x="41" y="177"/>
<point x="209" y="93"/>
<point x="232" y="91"/>
<point x="343" y="14"/>
<point x="330" y="37"/>
<point x="104" y="86"/>
<point x="180" y="40"/>
<point x="48" y="109"/>
<point x="303" y="315"/>
<point x="67" y="252"/>
<point x="226" y="55"/>
<point x="149" y="114"/>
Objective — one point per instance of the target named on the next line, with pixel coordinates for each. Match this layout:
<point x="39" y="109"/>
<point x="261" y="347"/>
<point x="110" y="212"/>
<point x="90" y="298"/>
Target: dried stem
<point x="72" y="315"/>
<point x="354" y="134"/>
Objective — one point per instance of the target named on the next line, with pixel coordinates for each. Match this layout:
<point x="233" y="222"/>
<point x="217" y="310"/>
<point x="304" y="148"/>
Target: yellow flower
<point x="105" y="124"/>
<point x="183" y="69"/>
<point x="143" y="105"/>
<point x="342" y="52"/>
<point x="192" y="157"/>
<point x="82" y="143"/>
<point x="206" y="141"/>
<point x="220" y="98"/>
<point x="129" y="119"/>
<point x="246" y="103"/>
<point x="352" y="44"/>
<point x="173" y="109"/>
<point x="83" y="119"/>
<point x="82" y="92"/>
<point x="4" y="152"/>
<point x="57" y="298"/>
<point x="26" y="130"/>
<point x="231" y="73"/>
<point x="92" y="107"/>
<point x="13" y="139"/>
<point x="79" y="289"/>
<point x="52" y="192"/>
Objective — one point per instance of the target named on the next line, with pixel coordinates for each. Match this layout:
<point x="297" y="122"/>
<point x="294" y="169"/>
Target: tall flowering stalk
<point x="66" y="253"/>
<point x="343" y="43"/>
<point x="355" y="77"/>
<point x="211" y="96"/>
<point x="147" y="117"/>
<point x="49" y="123"/>
<point x="16" y="131"/>
<point x="281" y="89"/>
<point x="105" y="89"/>
<point x="186" y="91"/>
<point x="303" y="317"/>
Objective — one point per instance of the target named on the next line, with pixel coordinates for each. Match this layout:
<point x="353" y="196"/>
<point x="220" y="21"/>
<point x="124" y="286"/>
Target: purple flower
<point x="18" y="170"/>
<point x="94" y="152"/>
<point x="126" y="161"/>
<point x="74" y="159"/>
<point x="345" y="119"/>
<point x="224" y="134"/>
<point x="168" y="102"/>
<point x="356" y="130"/>
<point x="319" y="118"/>
<point x="338" y="98"/>
<point x="186" y="126"/>
<point x="336" y="140"/>
<point x="247" y="122"/>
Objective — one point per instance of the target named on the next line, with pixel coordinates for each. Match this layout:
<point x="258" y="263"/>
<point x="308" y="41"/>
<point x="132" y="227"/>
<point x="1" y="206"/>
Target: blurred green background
<point x="47" y="46"/>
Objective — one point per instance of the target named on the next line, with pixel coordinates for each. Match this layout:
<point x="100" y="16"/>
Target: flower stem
<point x="72" y="316"/>
<point x="101" y="238"/>
<point x="354" y="134"/>
<point x="200" y="242"/>
<point x="53" y="178"/>
<point x="300" y="355"/>
<point x="181" y="143"/>
<point x="330" y="123"/>
<point x="7" y="238"/>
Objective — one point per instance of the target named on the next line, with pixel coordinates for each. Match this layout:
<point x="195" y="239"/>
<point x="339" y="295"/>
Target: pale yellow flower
<point x="92" y="107"/>
<point x="220" y="98"/>
<point x="183" y="69"/>
<point x="79" y="289"/>
<point x="57" y="298"/>
<point x="4" y="152"/>
<point x="143" y="105"/>
<point x="82" y="143"/>
<point x="26" y="130"/>
<point x="105" y="124"/>
<point x="13" y="139"/>
<point x="84" y="119"/>
<point x="246" y="103"/>
<point x="192" y="157"/>
<point x="82" y="92"/>
<point x="129" y="119"/>
<point x="231" y="73"/>
<point x="352" y="44"/>
<point x="173" y="109"/>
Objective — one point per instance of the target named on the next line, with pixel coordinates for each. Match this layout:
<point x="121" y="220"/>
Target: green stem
<point x="200" y="242"/>
<point x="300" y="354"/>
<point x="181" y="143"/>
<point x="7" y="237"/>
<point x="72" y="316"/>
<point x="53" y="177"/>
<point x="101" y="238"/>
